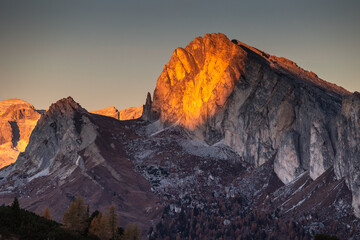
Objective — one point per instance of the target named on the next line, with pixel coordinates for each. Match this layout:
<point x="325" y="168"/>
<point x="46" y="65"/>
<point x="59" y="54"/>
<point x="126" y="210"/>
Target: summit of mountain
<point x="199" y="79"/>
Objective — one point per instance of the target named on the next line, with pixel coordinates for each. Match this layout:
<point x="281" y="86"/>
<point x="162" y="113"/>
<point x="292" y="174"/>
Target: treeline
<point x="17" y="223"/>
<point x="228" y="220"/>
<point x="77" y="219"/>
<point x="77" y="223"/>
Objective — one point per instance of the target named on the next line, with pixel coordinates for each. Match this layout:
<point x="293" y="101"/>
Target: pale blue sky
<point x="105" y="53"/>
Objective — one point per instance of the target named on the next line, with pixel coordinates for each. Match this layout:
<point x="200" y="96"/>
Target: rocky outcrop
<point x="148" y="114"/>
<point x="125" y="114"/>
<point x="271" y="99"/>
<point x="17" y="120"/>
<point x="198" y="80"/>
<point x="260" y="105"/>
<point x="57" y="136"/>
<point x="287" y="164"/>
<point x="347" y="163"/>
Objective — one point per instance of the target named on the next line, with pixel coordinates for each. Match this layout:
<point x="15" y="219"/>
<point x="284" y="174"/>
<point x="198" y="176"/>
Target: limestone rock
<point x="287" y="164"/>
<point x="321" y="148"/>
<point x="197" y="81"/>
<point x="109" y="111"/>
<point x="17" y="120"/>
<point x="45" y="150"/>
<point x="131" y="113"/>
<point x="347" y="164"/>
<point x="148" y="113"/>
<point x="125" y="114"/>
<point x="221" y="89"/>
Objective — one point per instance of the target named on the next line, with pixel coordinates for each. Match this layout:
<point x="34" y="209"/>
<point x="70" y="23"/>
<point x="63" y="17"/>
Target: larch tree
<point x="132" y="232"/>
<point x="76" y="216"/>
<point x="99" y="226"/>
<point x="46" y="213"/>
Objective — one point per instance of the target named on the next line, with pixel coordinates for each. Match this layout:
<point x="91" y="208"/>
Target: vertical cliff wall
<point x="347" y="161"/>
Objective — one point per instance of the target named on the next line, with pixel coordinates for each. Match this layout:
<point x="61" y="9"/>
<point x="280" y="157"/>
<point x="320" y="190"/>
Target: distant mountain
<point x="17" y="120"/>
<point x="235" y="143"/>
<point x="131" y="113"/>
<point x="109" y="111"/>
<point x="125" y="114"/>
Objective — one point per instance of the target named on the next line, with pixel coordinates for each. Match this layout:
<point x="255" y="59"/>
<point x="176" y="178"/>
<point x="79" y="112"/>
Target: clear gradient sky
<point x="110" y="53"/>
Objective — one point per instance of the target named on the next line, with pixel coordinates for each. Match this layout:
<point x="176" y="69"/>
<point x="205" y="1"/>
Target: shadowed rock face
<point x="17" y="120"/>
<point x="272" y="99"/>
<point x="347" y="162"/>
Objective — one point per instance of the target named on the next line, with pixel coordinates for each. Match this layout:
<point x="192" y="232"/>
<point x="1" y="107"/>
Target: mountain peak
<point x="8" y="106"/>
<point x="65" y="106"/>
<point x="198" y="79"/>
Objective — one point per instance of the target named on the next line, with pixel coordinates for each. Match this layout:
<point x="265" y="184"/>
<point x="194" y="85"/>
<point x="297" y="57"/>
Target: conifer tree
<point x="112" y="221"/>
<point x="15" y="205"/>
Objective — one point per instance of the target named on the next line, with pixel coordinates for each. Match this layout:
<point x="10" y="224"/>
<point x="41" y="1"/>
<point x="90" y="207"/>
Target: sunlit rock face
<point x="125" y="114"/>
<point x="131" y="113"/>
<point x="347" y="161"/>
<point x="109" y="111"/>
<point x="263" y="106"/>
<point x="17" y="120"/>
<point x="198" y="80"/>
